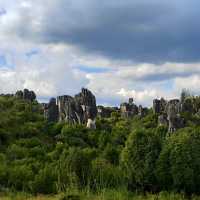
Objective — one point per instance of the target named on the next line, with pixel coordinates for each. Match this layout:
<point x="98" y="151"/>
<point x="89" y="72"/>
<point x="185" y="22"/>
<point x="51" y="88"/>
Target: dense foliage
<point x="136" y="154"/>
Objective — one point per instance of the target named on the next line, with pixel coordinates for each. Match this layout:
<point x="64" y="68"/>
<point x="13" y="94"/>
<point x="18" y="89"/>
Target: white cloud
<point x="140" y="95"/>
<point x="49" y="72"/>
<point x="192" y="83"/>
<point x="54" y="69"/>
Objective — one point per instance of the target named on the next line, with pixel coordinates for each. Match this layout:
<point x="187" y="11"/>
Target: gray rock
<point x="104" y="112"/>
<point x="51" y="111"/>
<point x="91" y="124"/>
<point x="80" y="109"/>
<point x="70" y="110"/>
<point x="159" y="105"/>
<point x="142" y="111"/>
<point x="169" y="113"/>
<point x="88" y="103"/>
<point x="130" y="101"/>
<point x="129" y="109"/>
<point x="162" y="120"/>
<point x="156" y="106"/>
<point x="173" y="115"/>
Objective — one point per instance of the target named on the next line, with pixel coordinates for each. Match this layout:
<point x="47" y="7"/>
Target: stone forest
<point x="72" y="148"/>
<point x="82" y="109"/>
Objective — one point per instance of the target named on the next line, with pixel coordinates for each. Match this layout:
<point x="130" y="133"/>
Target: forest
<point x="122" y="158"/>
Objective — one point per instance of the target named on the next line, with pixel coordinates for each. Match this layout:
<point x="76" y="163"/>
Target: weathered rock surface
<point x="159" y="105"/>
<point x="80" y="109"/>
<point x="91" y="124"/>
<point x="162" y="120"/>
<point x="169" y="113"/>
<point x="142" y="111"/>
<point x="128" y="109"/>
<point x="173" y="109"/>
<point x="88" y="103"/>
<point x="70" y="110"/>
<point x="105" y="112"/>
<point x="51" y="110"/>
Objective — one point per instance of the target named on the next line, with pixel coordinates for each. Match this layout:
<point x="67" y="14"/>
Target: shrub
<point x="74" y="168"/>
<point x="178" y="166"/>
<point x="111" y="154"/>
<point x="105" y="175"/>
<point x="139" y="158"/>
<point x="19" y="177"/>
<point x="45" y="180"/>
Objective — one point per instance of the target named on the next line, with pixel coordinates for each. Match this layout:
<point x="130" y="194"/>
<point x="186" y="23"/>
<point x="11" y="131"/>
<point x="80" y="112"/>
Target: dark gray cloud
<point x="150" y="31"/>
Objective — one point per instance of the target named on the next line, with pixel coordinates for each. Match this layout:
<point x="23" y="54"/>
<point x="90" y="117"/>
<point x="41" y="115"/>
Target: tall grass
<point x="103" y="195"/>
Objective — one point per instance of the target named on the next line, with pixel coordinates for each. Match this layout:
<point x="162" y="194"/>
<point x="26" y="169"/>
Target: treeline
<point x="136" y="154"/>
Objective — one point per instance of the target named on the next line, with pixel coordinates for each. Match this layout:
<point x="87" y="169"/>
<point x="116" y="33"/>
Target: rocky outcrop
<point x="128" y="109"/>
<point x="91" y="124"/>
<point x="51" y="110"/>
<point x="26" y="95"/>
<point x="142" y="111"/>
<point x="105" y="112"/>
<point x="162" y="120"/>
<point x="88" y="103"/>
<point x="159" y="105"/>
<point x="80" y="109"/>
<point x="173" y="115"/>
<point x="169" y="113"/>
<point x="70" y="110"/>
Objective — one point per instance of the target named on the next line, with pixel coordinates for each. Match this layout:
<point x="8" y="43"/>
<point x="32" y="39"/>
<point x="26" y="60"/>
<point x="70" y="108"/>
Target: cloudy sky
<point x="116" y="48"/>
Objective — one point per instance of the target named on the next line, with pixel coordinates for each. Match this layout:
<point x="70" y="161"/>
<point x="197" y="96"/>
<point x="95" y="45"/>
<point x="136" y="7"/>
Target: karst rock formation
<point x="80" y="109"/>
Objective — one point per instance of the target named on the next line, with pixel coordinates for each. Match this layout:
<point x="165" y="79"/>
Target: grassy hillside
<point x="137" y="155"/>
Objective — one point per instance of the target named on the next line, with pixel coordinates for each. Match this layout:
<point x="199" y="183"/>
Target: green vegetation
<point x="104" y="195"/>
<point x="117" y="160"/>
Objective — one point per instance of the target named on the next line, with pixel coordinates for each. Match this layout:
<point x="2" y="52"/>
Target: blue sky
<point x="93" y="69"/>
<point x="3" y="61"/>
<point x="32" y="53"/>
<point x="118" y="49"/>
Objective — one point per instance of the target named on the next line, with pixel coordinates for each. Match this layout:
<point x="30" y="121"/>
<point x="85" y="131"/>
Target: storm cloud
<point x="150" y="31"/>
<point x="118" y="49"/>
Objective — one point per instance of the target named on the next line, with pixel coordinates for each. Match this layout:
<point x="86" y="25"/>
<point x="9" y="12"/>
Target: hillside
<point x="135" y="153"/>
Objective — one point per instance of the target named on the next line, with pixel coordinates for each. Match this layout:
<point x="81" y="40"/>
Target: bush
<point x="74" y="168"/>
<point x="105" y="175"/>
<point x="178" y="166"/>
<point x="16" y="152"/>
<point x="139" y="158"/>
<point x="45" y="180"/>
<point x="120" y="132"/>
<point x="20" y="177"/>
<point x="3" y="170"/>
<point x="111" y="154"/>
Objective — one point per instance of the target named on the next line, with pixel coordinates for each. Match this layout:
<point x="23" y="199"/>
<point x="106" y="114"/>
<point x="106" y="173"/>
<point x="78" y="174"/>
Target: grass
<point x="103" y="195"/>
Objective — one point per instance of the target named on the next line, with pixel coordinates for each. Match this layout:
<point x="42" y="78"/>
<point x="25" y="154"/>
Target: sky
<point x="143" y="49"/>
